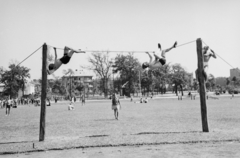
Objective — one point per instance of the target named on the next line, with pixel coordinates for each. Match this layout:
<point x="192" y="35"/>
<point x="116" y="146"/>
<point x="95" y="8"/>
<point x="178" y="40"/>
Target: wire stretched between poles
<point x="123" y="51"/>
<point x="185" y="43"/>
<point x="220" y="57"/>
<point x="29" y="55"/>
<point x="56" y="47"/>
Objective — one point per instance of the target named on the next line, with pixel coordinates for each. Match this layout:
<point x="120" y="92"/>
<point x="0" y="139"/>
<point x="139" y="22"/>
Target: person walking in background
<point x="8" y="106"/>
<point x="115" y="105"/>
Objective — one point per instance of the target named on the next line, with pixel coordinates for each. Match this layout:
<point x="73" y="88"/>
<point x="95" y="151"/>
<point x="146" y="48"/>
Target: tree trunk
<point x="105" y="87"/>
<point x="176" y="91"/>
<point x="181" y="89"/>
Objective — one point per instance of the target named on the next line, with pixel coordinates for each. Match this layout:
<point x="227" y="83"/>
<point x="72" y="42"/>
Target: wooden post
<point x="202" y="87"/>
<point x="43" y="93"/>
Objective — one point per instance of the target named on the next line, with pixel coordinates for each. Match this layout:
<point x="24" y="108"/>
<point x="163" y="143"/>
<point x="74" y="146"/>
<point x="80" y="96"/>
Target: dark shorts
<point x="8" y="106"/>
<point x="162" y="61"/>
<point x="65" y="59"/>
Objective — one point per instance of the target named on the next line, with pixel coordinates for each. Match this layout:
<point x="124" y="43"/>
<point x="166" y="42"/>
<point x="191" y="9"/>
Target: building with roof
<point x="76" y="78"/>
<point x="28" y="89"/>
<point x="1" y="87"/>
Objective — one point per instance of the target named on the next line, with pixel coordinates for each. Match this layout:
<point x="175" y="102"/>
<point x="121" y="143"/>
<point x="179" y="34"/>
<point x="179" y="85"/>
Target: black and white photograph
<point x="119" y="79"/>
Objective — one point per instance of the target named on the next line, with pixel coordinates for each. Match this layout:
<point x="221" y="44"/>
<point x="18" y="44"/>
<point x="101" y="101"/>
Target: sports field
<point x="159" y="124"/>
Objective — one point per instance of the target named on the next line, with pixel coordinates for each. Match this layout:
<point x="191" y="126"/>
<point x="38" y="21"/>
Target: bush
<point x="236" y="91"/>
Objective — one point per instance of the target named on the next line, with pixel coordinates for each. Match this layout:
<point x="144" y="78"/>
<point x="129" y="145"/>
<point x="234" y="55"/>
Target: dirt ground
<point x="165" y="127"/>
<point x="211" y="150"/>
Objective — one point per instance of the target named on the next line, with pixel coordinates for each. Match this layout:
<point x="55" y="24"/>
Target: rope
<point x="115" y="51"/>
<point x="56" y="47"/>
<point x="29" y="55"/>
<point x="185" y="43"/>
<point x="123" y="51"/>
<point x="220" y="57"/>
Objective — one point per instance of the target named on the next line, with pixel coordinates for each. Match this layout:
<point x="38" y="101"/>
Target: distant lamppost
<point x="140" y="82"/>
<point x="112" y="66"/>
<point x="139" y="75"/>
<point x="70" y="86"/>
<point x="113" y="81"/>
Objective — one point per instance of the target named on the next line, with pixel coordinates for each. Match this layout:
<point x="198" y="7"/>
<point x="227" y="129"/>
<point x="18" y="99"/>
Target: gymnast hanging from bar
<point x="68" y="52"/>
<point x="157" y="62"/>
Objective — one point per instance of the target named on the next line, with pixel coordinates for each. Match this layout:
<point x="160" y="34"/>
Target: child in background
<point x="71" y="106"/>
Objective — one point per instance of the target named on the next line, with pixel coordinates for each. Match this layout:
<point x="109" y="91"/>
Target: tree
<point x="179" y="77"/>
<point x="129" y="69"/>
<point x="69" y="72"/>
<point x="162" y="77"/>
<point x="227" y="81"/>
<point x="58" y="88"/>
<point x="23" y="74"/>
<point x="211" y="82"/>
<point x="236" y="81"/>
<point x="101" y="65"/>
<point x="14" y="79"/>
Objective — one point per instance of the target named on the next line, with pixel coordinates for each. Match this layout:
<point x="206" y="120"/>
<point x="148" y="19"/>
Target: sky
<point x="129" y="25"/>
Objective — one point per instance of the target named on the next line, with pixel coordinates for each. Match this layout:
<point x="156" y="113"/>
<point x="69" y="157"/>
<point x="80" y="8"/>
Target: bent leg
<point x="167" y="50"/>
<point x="65" y="51"/>
<point x="205" y="72"/>
<point x="74" y="50"/>
<point x="117" y="114"/>
<point x="70" y="53"/>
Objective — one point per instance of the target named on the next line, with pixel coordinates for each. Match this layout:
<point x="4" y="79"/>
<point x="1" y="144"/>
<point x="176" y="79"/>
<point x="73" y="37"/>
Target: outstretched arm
<point x="149" y="57"/>
<point x="119" y="104"/>
<point x="55" y="51"/>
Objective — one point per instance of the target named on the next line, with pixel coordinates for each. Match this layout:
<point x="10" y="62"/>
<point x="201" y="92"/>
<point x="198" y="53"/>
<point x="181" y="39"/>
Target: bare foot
<point x="175" y="44"/>
<point x="159" y="46"/>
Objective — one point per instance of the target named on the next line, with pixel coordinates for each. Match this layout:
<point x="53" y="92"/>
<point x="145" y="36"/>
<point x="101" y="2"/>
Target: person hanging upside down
<point x="158" y="62"/>
<point x="207" y="54"/>
<point x="68" y="52"/>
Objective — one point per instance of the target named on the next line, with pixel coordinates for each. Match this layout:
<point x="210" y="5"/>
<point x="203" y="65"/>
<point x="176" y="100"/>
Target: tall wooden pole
<point x="43" y="93"/>
<point x="140" y="82"/>
<point x="202" y="87"/>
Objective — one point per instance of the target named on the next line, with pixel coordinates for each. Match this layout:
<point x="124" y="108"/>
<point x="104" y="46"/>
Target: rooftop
<point x="79" y="73"/>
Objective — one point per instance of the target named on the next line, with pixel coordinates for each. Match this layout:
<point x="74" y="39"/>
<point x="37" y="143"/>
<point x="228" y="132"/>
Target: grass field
<point x="159" y="122"/>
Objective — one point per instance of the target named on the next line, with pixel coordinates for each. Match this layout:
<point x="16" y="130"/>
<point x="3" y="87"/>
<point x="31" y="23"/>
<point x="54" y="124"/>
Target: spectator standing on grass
<point x="83" y="100"/>
<point x="56" y="99"/>
<point x="48" y="103"/>
<point x="115" y="105"/>
<point x="8" y="107"/>
<point x="1" y="103"/>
